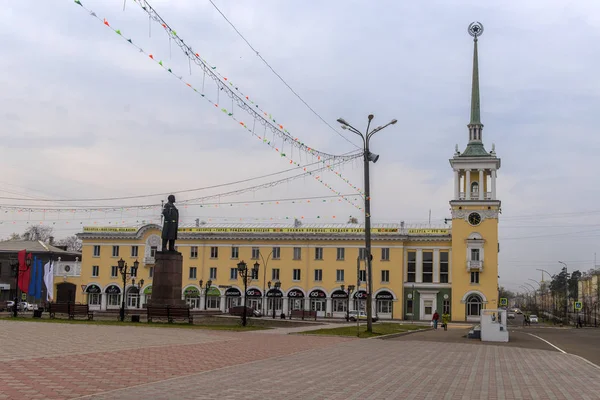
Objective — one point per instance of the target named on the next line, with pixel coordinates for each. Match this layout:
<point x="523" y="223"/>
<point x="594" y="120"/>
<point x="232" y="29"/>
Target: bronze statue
<point x="170" y="224"/>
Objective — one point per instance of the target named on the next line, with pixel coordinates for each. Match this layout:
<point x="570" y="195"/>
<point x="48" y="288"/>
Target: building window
<point x="114" y="270"/>
<point x="275" y="274"/>
<point x="412" y="267"/>
<point x="385" y="254"/>
<point x="318" y="275"/>
<point x="362" y="275"/>
<point x="362" y="253"/>
<point x="254" y="275"/>
<point x="474" y="276"/>
<point x="95" y="270"/>
<point x="213" y="273"/>
<point x="134" y="251"/>
<point x="194" y="252"/>
<point x="444" y="267"/>
<point x="446" y="307"/>
<point x="235" y="252"/>
<point x="318" y="253"/>
<point x="474" y="254"/>
<point x="276" y="253"/>
<point x="384" y="306"/>
<point x="339" y="275"/>
<point x="153" y="250"/>
<point x="409" y="306"/>
<point x="233" y="274"/>
<point x="385" y="275"/>
<point x="255" y="253"/>
<point x="339" y="305"/>
<point x="96" y="251"/>
<point x="214" y="252"/>
<point x="341" y="253"/>
<point x="115" y="252"/>
<point x="296" y="275"/>
<point x="297" y="253"/>
<point x="151" y="272"/>
<point x="193" y="272"/>
<point x="427" y="267"/>
<point x="213" y="302"/>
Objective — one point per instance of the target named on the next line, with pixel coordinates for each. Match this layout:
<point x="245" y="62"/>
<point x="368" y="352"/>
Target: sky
<point x="85" y="115"/>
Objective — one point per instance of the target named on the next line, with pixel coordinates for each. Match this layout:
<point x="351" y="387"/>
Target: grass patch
<point x="380" y="329"/>
<point x="210" y="326"/>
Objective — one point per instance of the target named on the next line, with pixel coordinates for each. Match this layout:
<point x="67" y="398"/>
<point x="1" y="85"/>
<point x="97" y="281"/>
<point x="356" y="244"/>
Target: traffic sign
<point x="578" y="305"/>
<point x="503" y="301"/>
<point x="23" y="296"/>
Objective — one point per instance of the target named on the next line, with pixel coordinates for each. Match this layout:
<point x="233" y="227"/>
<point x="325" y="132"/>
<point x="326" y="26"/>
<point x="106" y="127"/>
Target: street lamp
<point x="208" y="286"/>
<point x="367" y="157"/>
<point x="16" y="266"/>
<point x="264" y="273"/>
<point x="125" y="274"/>
<point x="276" y="287"/>
<point x="246" y="274"/>
<point x="350" y="290"/>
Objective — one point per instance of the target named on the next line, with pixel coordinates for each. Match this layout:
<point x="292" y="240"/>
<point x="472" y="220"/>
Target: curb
<point x="395" y="335"/>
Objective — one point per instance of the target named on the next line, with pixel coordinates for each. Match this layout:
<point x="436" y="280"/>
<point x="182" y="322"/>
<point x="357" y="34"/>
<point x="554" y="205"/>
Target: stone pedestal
<point x="166" y="282"/>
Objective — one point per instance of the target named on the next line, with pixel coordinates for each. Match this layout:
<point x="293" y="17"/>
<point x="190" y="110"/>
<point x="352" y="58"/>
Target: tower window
<point x="474" y="187"/>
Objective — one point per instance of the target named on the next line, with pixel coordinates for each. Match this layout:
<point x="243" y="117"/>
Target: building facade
<point x="415" y="271"/>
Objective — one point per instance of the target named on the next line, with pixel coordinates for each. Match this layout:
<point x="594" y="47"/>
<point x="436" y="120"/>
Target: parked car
<point x="354" y="315"/>
<point x="533" y="319"/>
<point x="510" y="315"/>
<point x="239" y="310"/>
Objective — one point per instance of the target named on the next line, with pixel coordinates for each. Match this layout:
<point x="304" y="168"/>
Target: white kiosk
<point x="493" y="326"/>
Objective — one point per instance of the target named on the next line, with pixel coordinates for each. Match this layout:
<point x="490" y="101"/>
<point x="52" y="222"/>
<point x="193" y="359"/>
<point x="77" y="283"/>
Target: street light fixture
<point x="246" y="274"/>
<point x="125" y="274"/>
<point x="367" y="157"/>
<point x="350" y="290"/>
<point x="276" y="287"/>
<point x="16" y="266"/>
<point x="208" y="286"/>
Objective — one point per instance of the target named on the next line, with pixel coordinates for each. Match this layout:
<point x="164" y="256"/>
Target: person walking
<point x="435" y="319"/>
<point x="445" y="320"/>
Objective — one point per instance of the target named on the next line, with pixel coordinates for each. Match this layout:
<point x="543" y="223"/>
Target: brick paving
<point x="199" y="364"/>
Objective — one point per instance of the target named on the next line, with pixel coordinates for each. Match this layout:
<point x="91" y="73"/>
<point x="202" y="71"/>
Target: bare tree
<point x="352" y="220"/>
<point x="38" y="232"/>
<point x="72" y="243"/>
<point x="15" y="236"/>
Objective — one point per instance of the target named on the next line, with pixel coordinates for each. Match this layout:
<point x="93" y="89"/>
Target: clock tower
<point x="475" y="209"/>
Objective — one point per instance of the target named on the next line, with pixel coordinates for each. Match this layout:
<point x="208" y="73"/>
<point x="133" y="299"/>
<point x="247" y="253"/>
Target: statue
<point x="170" y="224"/>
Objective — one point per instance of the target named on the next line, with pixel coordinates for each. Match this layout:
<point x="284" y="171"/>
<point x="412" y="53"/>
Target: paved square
<point x="64" y="361"/>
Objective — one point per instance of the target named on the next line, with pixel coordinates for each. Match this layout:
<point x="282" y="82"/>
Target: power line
<point x="280" y="78"/>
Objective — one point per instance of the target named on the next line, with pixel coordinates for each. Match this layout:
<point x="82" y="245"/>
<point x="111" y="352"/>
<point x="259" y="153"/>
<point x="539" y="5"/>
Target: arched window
<point x="474" y="305"/>
<point x="474" y="187"/>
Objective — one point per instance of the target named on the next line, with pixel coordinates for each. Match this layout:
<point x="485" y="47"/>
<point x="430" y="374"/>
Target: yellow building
<point x="415" y="271"/>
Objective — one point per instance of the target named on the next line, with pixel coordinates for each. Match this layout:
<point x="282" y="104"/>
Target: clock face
<point x="474" y="219"/>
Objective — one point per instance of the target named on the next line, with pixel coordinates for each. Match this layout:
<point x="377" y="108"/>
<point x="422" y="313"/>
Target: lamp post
<point x="15" y="265"/>
<point x="541" y="294"/>
<point x="350" y="290"/>
<point x="125" y="274"/>
<point x="264" y="273"/>
<point x="246" y="274"/>
<point x="139" y="288"/>
<point x="276" y="287"/>
<point x="208" y="285"/>
<point x="367" y="157"/>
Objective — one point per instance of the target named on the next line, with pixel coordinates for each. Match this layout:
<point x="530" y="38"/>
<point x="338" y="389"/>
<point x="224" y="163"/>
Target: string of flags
<point x="324" y="157"/>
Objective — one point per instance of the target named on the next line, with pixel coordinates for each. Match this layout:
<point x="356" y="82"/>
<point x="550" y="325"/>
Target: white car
<point x="533" y="319"/>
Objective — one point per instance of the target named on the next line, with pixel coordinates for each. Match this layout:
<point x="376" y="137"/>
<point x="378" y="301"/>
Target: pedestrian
<point x="445" y="320"/>
<point x="435" y="319"/>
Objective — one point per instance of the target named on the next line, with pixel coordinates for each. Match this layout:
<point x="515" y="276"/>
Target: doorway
<point x="65" y="292"/>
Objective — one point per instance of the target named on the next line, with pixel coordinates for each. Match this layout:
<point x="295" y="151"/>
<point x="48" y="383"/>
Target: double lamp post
<point x="246" y="274"/>
<point x="367" y="157"/>
<point x="125" y="274"/>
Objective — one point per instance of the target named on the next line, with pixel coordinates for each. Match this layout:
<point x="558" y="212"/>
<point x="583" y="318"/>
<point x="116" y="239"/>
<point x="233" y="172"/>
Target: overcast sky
<point x="85" y="115"/>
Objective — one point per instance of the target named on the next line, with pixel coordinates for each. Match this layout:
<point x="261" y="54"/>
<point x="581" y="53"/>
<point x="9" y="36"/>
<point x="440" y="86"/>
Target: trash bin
<point x="37" y="313"/>
<point x="135" y="318"/>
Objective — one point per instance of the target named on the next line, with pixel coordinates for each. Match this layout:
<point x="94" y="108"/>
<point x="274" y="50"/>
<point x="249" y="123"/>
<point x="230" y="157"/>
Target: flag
<point x="38" y="280"/>
<point x="24" y="271"/>
<point x="49" y="280"/>
<point x="33" y="271"/>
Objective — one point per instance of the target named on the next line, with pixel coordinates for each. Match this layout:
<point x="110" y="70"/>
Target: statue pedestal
<point x="166" y="282"/>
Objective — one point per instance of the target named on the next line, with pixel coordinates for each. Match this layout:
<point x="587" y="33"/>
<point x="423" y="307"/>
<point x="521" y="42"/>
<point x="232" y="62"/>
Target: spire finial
<point x="475" y="29"/>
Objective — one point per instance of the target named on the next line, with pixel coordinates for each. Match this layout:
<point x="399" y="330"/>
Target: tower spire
<point x="475" y="125"/>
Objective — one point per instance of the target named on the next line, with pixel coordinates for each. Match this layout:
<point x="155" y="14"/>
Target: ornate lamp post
<point x="276" y="286"/>
<point x="246" y="274"/>
<point x="350" y="290"/>
<point x="208" y="286"/>
<point x="125" y="275"/>
<point x="15" y="265"/>
<point x="368" y="157"/>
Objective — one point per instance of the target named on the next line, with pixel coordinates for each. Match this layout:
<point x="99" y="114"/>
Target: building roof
<point x="32" y="246"/>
